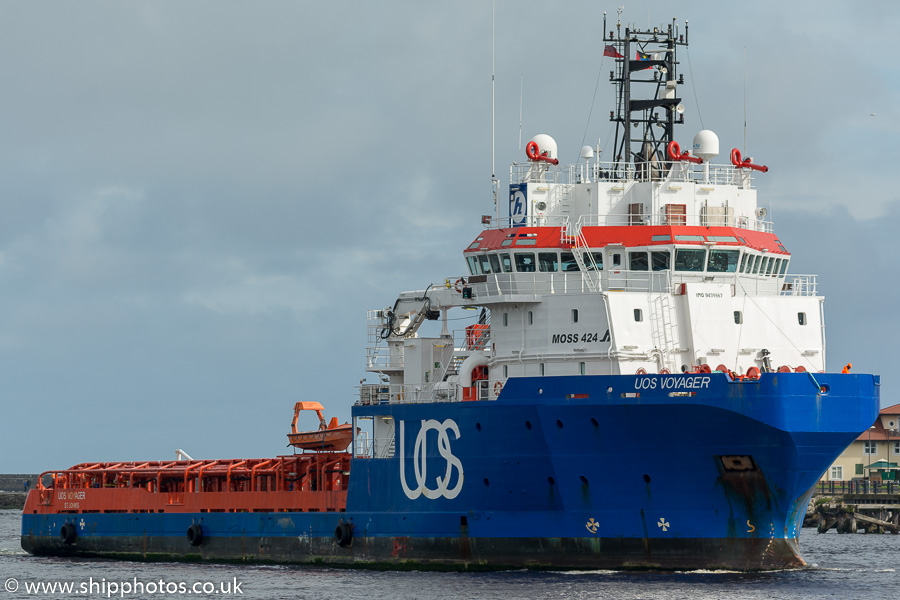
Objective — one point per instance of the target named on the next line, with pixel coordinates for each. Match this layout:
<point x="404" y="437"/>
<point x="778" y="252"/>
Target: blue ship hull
<point x="649" y="471"/>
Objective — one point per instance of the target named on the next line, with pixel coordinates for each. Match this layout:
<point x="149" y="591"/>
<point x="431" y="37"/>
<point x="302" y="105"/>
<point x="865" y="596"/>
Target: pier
<point x="855" y="507"/>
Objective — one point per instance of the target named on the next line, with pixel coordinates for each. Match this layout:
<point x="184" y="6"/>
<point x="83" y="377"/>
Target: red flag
<point x="610" y="50"/>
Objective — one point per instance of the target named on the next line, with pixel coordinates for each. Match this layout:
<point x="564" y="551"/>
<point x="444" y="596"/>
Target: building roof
<point x="877" y="432"/>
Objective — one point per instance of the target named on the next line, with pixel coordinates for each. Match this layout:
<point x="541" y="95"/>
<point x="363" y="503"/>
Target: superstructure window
<point x="597" y="260"/>
<point x="743" y="268"/>
<point x="638" y="315"/>
<point x="770" y="266"/>
<point x="738" y="317"/>
<point x="582" y="368"/>
<point x="525" y="262"/>
<point x="616" y="259"/>
<point x="801" y="318"/>
<point x="530" y="318"/>
<point x="505" y="319"/>
<point x="756" y="262"/>
<point x="495" y="263"/>
<point x="659" y="261"/>
<point x="506" y="262"/>
<point x="689" y="260"/>
<point x="485" y="263"/>
<point x="567" y="262"/>
<point x="473" y="265"/>
<point x="784" y="264"/>
<point x="548" y="262"/>
<point x="574" y="315"/>
<point x="723" y="261"/>
<point x="637" y="261"/>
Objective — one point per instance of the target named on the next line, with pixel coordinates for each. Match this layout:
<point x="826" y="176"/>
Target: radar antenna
<point x="646" y="60"/>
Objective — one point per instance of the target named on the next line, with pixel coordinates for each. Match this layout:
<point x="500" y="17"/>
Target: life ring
<point x="664" y="371"/>
<point x="458" y="286"/>
<point x="68" y="533"/>
<point x="641" y="371"/>
<point x="343" y="534"/>
<point x="674" y="150"/>
<point x="498" y="387"/>
<point x="532" y="151"/>
<point x="195" y="535"/>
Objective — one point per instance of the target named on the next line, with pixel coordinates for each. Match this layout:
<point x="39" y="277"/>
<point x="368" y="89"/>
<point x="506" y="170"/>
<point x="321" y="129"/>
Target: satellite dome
<point x="545" y="144"/>
<point x="706" y="144"/>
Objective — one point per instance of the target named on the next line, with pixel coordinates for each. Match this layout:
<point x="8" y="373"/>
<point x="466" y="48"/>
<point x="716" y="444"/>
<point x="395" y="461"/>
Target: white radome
<point x="706" y="144"/>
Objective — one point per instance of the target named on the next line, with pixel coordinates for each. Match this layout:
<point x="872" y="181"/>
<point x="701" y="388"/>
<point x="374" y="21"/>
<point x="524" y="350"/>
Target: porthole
<point x="594" y="423"/>
<point x="528" y="425"/>
<point x="551" y="481"/>
<point x="559" y="423"/>
<point x="584" y="480"/>
<point x="478" y="426"/>
<point x="646" y="478"/>
<point x="486" y="482"/>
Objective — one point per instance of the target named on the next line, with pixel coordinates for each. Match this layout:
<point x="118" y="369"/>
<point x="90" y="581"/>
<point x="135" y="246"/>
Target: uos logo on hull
<point x="420" y="457"/>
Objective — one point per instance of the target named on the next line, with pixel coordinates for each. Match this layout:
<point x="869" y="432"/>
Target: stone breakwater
<point x="13" y="500"/>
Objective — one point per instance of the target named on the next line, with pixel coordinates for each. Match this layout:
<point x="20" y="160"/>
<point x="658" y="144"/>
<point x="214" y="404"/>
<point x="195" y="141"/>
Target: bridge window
<point x="592" y="259"/>
<point x="689" y="260"/>
<point x="495" y="263"/>
<point x="784" y="263"/>
<point x="548" y="262"/>
<point x="756" y="262"/>
<point x="770" y="266"/>
<point x="801" y="318"/>
<point x="473" y="265"/>
<point x="723" y="261"/>
<point x="525" y="262"/>
<point x="743" y="268"/>
<point x="485" y="263"/>
<point x="506" y="262"/>
<point x="567" y="262"/>
<point x="637" y="261"/>
<point x="660" y="260"/>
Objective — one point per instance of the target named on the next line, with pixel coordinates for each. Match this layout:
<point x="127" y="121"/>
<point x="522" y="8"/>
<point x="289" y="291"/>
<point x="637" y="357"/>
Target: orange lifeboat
<point x="327" y="438"/>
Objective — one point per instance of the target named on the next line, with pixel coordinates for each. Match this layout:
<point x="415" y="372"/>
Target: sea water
<point x="841" y="566"/>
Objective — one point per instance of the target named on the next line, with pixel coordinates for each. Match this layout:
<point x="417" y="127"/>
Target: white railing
<point x="712" y="174"/>
<point x="800" y="285"/>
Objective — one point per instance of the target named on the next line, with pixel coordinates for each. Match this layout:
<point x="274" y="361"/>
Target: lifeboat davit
<point x="327" y="438"/>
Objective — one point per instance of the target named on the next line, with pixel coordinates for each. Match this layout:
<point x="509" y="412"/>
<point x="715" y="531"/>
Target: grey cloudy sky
<point x="200" y="200"/>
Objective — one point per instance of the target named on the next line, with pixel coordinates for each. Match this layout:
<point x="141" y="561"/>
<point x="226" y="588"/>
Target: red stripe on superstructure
<point x="626" y="235"/>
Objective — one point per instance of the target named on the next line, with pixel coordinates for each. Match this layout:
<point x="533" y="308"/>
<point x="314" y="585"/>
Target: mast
<point x="648" y="105"/>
